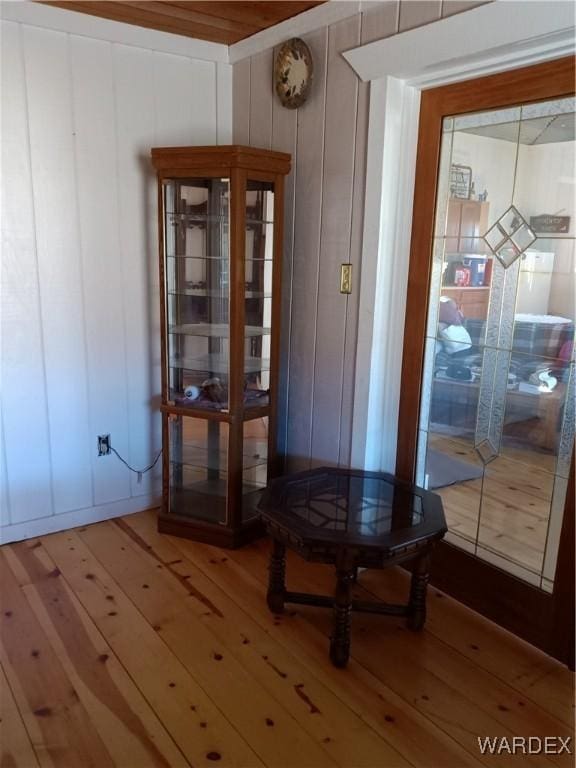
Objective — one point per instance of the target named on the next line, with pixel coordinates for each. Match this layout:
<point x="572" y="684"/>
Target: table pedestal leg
<point x="417" y="605"/>
<point x="340" y="640"/>
<point x="276" y="578"/>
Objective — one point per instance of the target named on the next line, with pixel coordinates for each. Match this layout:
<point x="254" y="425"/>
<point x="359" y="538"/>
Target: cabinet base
<point x="217" y="536"/>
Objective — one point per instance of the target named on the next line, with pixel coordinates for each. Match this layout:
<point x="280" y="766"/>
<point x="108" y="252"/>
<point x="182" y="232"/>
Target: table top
<point x="353" y="507"/>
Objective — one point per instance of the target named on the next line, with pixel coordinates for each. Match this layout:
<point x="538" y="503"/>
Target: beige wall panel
<point x="450" y="7"/>
<point x="306" y="259"/>
<point x="284" y="132"/>
<point x="337" y="192"/>
<point x="323" y="226"/>
<point x="380" y="21"/>
<point x="416" y="13"/>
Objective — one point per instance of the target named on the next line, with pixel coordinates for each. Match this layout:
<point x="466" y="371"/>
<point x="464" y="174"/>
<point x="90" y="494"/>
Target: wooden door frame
<point x="516" y="605"/>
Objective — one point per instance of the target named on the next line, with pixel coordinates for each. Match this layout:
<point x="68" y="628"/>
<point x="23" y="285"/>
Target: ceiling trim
<point x="49" y="17"/>
<point x="491" y="38"/>
<point x="320" y="16"/>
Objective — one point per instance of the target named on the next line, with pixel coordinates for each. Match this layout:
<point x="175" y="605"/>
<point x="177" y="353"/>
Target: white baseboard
<point x="55" y="523"/>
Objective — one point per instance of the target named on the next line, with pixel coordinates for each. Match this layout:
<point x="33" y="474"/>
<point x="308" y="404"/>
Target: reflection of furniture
<point x="351" y="519"/>
<point x="220" y="250"/>
<point x="467" y="220"/>
<point x="536" y="342"/>
<point x="472" y="302"/>
<point x="456" y="403"/>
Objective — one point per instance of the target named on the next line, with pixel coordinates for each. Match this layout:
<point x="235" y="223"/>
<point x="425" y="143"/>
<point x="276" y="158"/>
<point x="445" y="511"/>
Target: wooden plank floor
<point x="124" y="647"/>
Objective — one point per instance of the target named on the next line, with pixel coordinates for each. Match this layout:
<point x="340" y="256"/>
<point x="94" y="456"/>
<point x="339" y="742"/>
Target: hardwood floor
<point x="124" y="647"/>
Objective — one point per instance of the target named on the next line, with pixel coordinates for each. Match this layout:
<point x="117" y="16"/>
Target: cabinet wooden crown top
<point x="219" y="157"/>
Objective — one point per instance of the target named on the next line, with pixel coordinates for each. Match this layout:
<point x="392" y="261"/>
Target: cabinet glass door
<point x="254" y="465"/>
<point x="198" y="467"/>
<point x="197" y="269"/>
<point x="498" y="403"/>
<point x="258" y="291"/>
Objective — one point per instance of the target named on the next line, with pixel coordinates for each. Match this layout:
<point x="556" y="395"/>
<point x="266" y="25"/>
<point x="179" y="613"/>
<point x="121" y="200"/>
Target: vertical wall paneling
<point x="201" y="92"/>
<point x="223" y="103"/>
<point x="450" y="7"/>
<point x="241" y="102"/>
<point x="4" y="497"/>
<point x="324" y="222"/>
<point x="23" y="383"/>
<point x="378" y="22"/>
<point x="185" y="100"/>
<point x="307" y="213"/>
<point x="284" y="138"/>
<point x="80" y="308"/>
<point x="96" y="172"/>
<point x="261" y="100"/>
<point x="55" y="206"/>
<point x="135" y="119"/>
<point x="416" y="13"/>
<point x="336" y="216"/>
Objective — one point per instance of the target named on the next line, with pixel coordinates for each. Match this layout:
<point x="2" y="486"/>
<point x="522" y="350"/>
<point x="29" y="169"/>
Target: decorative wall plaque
<point x="549" y="223"/>
<point x="293" y="70"/>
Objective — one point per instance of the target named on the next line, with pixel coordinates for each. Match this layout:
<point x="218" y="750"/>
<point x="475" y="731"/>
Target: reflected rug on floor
<point x="443" y="470"/>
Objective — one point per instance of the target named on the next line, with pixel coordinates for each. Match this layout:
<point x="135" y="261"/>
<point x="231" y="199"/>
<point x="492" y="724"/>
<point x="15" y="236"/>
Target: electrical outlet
<point x="103" y="445"/>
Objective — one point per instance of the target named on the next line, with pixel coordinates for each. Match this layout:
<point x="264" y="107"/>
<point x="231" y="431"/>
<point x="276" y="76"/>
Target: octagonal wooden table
<point x="351" y="519"/>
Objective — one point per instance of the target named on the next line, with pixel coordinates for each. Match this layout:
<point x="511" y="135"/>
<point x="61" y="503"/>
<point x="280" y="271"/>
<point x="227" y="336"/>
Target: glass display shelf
<point x="218" y="364"/>
<point x="195" y="498"/>
<point x="215" y="330"/>
<point x="253" y="398"/>
<point x="214" y="258"/>
<point x="174" y="217"/>
<point x="216" y="293"/>
<point x="200" y="457"/>
<point x="205" y="257"/>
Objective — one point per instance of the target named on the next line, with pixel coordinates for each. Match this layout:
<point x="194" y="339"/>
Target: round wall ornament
<point x="293" y="71"/>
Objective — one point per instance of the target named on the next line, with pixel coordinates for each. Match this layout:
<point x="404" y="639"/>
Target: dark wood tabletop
<point x="358" y="509"/>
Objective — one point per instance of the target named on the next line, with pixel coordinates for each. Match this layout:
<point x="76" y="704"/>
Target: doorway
<point x="487" y="408"/>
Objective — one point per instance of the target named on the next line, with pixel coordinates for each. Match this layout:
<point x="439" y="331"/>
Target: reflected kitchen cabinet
<point x="220" y="221"/>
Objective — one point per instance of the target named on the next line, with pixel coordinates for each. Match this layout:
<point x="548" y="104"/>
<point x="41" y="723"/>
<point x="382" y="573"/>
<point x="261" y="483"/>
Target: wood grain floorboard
<point x="188" y="713"/>
<point x="167" y="605"/>
<point x="125" y="722"/>
<point x="125" y="647"/>
<point x="60" y="728"/>
<point x="458" y="697"/>
<point x="344" y="735"/>
<point x="15" y="745"/>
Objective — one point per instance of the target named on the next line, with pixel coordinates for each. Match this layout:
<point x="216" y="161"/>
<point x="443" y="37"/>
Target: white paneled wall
<point x="79" y="285"/>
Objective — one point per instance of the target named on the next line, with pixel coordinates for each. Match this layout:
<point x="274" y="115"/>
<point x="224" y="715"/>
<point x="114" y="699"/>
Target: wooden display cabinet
<point x="220" y="232"/>
<point x="466" y="223"/>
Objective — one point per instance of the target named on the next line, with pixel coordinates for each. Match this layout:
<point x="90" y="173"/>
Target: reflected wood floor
<point x="124" y="647"/>
<point x="509" y="511"/>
